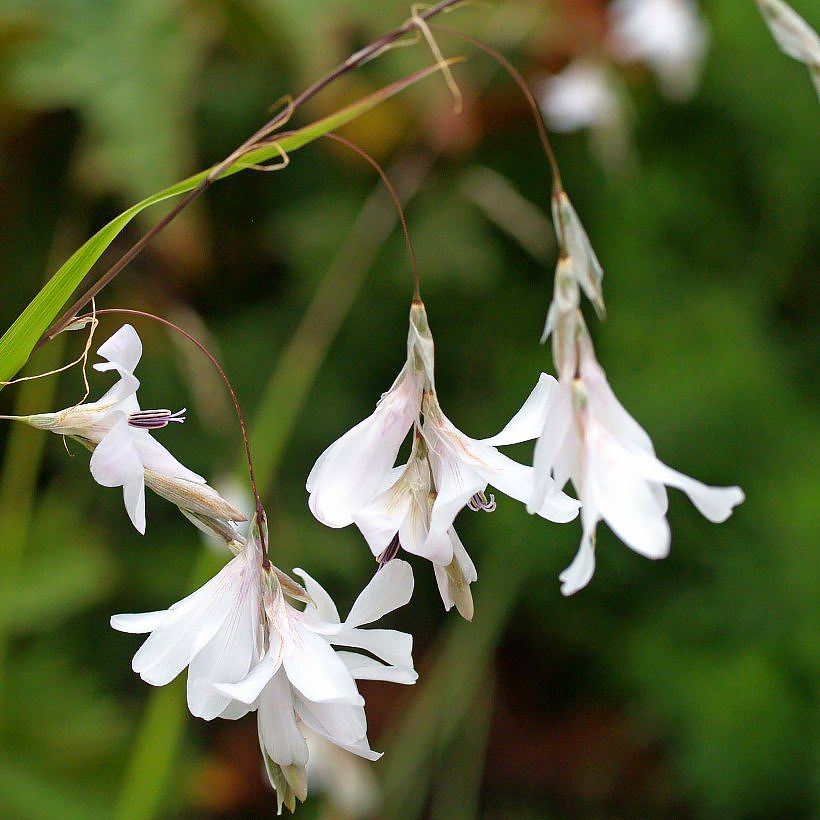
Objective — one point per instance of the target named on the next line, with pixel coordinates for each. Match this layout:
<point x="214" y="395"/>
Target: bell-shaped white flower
<point x="117" y="431"/>
<point x="669" y="35"/>
<point x="584" y="434"/>
<point x="301" y="682"/>
<point x="351" y="472"/>
<point x="581" y="96"/>
<point x="794" y="35"/>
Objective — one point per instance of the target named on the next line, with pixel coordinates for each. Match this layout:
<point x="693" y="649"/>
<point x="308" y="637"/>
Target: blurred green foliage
<point x="684" y="687"/>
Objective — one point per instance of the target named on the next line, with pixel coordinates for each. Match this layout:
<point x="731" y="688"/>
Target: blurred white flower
<point x="669" y="35"/>
<point x="414" y="506"/>
<point x="584" y="434"/>
<point x="247" y="648"/>
<point x="794" y="35"/>
<point x="581" y="96"/>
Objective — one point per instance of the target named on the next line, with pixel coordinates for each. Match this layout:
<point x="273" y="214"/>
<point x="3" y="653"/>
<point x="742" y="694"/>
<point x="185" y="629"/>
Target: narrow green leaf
<point x="19" y="340"/>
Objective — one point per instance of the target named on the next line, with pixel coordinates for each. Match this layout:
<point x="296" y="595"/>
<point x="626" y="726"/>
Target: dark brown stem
<point x="260" y="510"/>
<point x="396" y="201"/>
<point x="352" y="62"/>
<point x="557" y="186"/>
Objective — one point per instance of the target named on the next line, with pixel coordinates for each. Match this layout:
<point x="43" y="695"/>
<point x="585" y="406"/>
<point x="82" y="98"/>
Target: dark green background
<point x="686" y="687"/>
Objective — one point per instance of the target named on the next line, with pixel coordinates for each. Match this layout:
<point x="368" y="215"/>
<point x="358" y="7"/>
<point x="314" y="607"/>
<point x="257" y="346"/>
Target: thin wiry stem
<point x="260" y="510"/>
<point x="557" y="186"/>
<point x="258" y="137"/>
<point x="396" y="201"/>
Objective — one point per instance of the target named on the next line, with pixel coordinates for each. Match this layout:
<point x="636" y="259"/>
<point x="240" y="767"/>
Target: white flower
<point x="584" y="434"/>
<point x="794" y="35"/>
<point x="669" y="35"/>
<point x="247" y="648"/>
<point x="124" y="454"/>
<point x="351" y="472"/>
<point x="414" y="506"/>
<point x="580" y="96"/>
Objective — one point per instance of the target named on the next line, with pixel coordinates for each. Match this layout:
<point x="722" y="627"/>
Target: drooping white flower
<point x="414" y="506"/>
<point x="580" y="96"/>
<point x="585" y="435"/>
<point x="794" y="35"/>
<point x="669" y="35"/>
<point x="301" y="682"/>
<point x="248" y="648"/>
<point x="351" y="472"/>
<point x="124" y="454"/>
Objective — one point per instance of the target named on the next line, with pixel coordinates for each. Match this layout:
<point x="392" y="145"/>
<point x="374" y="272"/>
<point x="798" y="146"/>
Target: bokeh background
<point x="687" y="687"/>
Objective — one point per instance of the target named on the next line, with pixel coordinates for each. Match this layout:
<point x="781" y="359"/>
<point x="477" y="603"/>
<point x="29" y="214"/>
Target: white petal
<point x="456" y="478"/>
<point x="382" y="518"/>
<point x="363" y="668"/>
<point x="155" y="457"/>
<point x="140" y="622"/>
<point x="352" y="471"/>
<point x="552" y="440"/>
<point x="518" y="481"/>
<point x="715" y="503"/>
<point x="390" y="588"/>
<point x="279" y="735"/>
<point x="323" y="607"/>
<point x="115" y="460"/>
<point x="579" y="573"/>
<point x="121" y="393"/>
<point x="624" y="497"/>
<point x="123" y="350"/>
<point x="392" y="646"/>
<point x="133" y="494"/>
<point x="228" y="656"/>
<point x="528" y="422"/>
<point x="313" y="668"/>
<point x="189" y="625"/>
<point x="248" y="690"/>
<point x="337" y="721"/>
<point x="236" y="710"/>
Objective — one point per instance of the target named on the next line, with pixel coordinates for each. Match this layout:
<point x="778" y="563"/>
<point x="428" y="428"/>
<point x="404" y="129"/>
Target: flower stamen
<point x="155" y="419"/>
<point x="482" y="502"/>
<point x="389" y="552"/>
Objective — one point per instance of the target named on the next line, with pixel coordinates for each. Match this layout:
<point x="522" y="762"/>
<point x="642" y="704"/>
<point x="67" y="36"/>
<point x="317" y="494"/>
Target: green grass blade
<point x="19" y="340"/>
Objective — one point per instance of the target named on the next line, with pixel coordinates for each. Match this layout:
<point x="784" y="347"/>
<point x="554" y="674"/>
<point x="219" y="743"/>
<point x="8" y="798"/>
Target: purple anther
<point x="155" y="419"/>
<point x="389" y="552"/>
<point x="480" y="501"/>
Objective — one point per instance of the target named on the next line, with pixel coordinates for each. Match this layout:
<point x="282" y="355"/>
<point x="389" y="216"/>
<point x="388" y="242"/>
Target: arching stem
<point x="260" y="510"/>
<point x="396" y="201"/>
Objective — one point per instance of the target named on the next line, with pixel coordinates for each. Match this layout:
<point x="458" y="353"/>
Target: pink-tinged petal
<point x="390" y="588"/>
<point x="714" y="503"/>
<point x="528" y="422"/>
<point x="352" y="471"/>
<point x="279" y="734"/>
<point x="551" y="443"/>
<point x="313" y="668"/>
<point x="362" y="667"/>
<point x="323" y="607"/>
<point x="624" y="497"/>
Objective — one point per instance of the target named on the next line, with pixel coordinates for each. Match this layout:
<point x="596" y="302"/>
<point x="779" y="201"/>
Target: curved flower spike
<point x="352" y="471"/>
